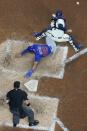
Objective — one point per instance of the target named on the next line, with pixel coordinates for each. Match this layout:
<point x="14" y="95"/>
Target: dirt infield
<point x="19" y="19"/>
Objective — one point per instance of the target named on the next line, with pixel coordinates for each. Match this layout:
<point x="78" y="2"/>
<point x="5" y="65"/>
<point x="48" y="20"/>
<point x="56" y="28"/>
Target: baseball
<point x="69" y="30"/>
<point x="77" y="2"/>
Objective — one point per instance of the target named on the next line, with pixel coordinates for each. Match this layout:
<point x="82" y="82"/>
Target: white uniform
<point x="56" y="34"/>
<point x="51" y="44"/>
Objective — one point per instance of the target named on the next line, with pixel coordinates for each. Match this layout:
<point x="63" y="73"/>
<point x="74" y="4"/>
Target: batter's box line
<point x="11" y="71"/>
<point x="51" y="128"/>
<point x="60" y="123"/>
<point x="26" y="126"/>
<point x="77" y="55"/>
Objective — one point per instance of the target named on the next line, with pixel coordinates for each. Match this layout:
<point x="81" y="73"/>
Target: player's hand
<point x="28" y="104"/>
<point x="29" y="73"/>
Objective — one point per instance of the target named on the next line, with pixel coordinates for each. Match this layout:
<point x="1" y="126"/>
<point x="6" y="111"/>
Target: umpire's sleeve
<point x="25" y="96"/>
<point x="8" y="96"/>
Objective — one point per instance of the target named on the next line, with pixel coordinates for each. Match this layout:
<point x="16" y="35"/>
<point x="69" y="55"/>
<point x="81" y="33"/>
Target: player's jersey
<point x="40" y="50"/>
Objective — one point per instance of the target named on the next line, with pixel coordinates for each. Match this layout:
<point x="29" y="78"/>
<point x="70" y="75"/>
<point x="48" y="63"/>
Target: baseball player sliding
<point x="57" y="31"/>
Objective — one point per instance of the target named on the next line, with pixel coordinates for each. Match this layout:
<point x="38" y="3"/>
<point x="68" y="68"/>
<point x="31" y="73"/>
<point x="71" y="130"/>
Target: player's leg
<point x="16" y="117"/>
<point x="77" y="46"/>
<point x="51" y="44"/>
<point x="30" y="114"/>
<point x="70" y="39"/>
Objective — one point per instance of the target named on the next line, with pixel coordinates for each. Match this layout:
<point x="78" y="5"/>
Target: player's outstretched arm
<point x="32" y="70"/>
<point x="25" y="51"/>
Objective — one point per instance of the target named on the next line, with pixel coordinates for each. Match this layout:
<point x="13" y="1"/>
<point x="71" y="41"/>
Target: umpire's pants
<point x="22" y="113"/>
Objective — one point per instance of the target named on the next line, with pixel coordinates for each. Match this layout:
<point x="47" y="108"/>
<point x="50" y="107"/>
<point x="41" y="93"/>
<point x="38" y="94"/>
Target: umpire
<point x="16" y="99"/>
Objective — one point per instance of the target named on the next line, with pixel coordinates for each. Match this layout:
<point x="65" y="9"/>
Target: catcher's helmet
<point x="58" y="13"/>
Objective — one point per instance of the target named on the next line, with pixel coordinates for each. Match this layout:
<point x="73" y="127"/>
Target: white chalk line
<point x="60" y="123"/>
<point x="25" y="126"/>
<point x="82" y="52"/>
<point x="44" y="97"/>
<point x="53" y="123"/>
<point x="64" y="58"/>
<point x="57" y="120"/>
<point x="11" y="71"/>
<point x="58" y="75"/>
<point x="51" y="128"/>
<point x="7" y="70"/>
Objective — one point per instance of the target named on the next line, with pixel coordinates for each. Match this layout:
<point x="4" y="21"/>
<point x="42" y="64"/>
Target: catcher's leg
<point x="51" y="44"/>
<point x="67" y="38"/>
<point x="77" y="46"/>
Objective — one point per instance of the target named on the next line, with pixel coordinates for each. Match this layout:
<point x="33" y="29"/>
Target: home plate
<point x="31" y="85"/>
<point x="45" y="109"/>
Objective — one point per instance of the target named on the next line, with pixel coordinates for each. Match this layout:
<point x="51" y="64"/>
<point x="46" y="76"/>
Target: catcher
<point x="57" y="31"/>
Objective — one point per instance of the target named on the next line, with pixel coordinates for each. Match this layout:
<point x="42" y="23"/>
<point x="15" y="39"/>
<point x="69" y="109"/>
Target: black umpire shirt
<point x="16" y="98"/>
